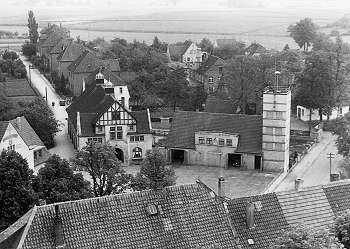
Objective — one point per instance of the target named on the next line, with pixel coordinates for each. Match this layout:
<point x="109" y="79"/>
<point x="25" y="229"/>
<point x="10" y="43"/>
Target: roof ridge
<point x="218" y="113"/>
<point x="26" y="229"/>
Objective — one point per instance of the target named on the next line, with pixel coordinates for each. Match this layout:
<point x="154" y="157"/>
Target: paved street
<point x="64" y="147"/>
<point x="314" y="168"/>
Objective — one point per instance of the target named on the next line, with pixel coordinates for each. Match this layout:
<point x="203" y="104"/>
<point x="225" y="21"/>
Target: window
<point x="123" y="101"/>
<point x="268" y="146"/>
<point x="112" y="133"/>
<point x="120" y="89"/>
<point x="220" y="70"/>
<point x="137" y="152"/>
<point x="188" y="59"/>
<point x="115" y="115"/>
<point x="209" y="140"/>
<point x="279" y="115"/>
<point x="228" y="142"/>
<point x="137" y="138"/>
<point x="340" y="110"/>
<point x="11" y="147"/>
<point x="201" y="140"/>
<point x="119" y="132"/>
<point x="142" y="138"/>
<point x="221" y="142"/>
<point x="278" y="131"/>
<point x="211" y="80"/>
<point x="269" y="114"/>
<point x="302" y="112"/>
<point x="132" y="138"/>
<point x="95" y="139"/>
<point x="131" y="127"/>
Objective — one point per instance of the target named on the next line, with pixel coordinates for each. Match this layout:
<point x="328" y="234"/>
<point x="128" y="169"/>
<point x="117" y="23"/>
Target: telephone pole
<point x="330" y="157"/>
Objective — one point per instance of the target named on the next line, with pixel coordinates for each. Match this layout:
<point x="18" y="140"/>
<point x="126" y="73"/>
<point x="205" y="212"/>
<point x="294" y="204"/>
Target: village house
<point x="83" y="66"/>
<point x="184" y="216"/>
<point x="71" y="52"/>
<point x="51" y="40"/>
<point x="56" y="51"/>
<point x="258" y="142"/>
<point x="18" y="135"/>
<point x="255" y="49"/>
<point x="209" y="73"/>
<point x="187" y="53"/>
<point x="102" y="114"/>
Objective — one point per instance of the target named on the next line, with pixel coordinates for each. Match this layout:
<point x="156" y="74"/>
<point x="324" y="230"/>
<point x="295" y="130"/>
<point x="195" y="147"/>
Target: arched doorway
<point x="120" y="154"/>
<point x="137" y="153"/>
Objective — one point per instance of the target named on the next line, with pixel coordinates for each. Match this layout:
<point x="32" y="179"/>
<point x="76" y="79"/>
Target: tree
<point x="29" y="49"/>
<point x="230" y="51"/>
<point x="303" y="33"/>
<point x="341" y="228"/>
<point x="206" y="45"/>
<point x="101" y="162"/>
<point x="301" y="237"/>
<point x="154" y="174"/>
<point x="16" y="193"/>
<point x="42" y="120"/>
<point x="10" y="55"/>
<point x="175" y="89"/>
<point x="56" y="182"/>
<point x="33" y="28"/>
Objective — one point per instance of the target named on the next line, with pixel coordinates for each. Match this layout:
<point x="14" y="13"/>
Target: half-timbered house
<point x="102" y="114"/>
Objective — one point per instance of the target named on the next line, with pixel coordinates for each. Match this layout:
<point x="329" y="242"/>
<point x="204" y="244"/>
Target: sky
<point x="139" y="7"/>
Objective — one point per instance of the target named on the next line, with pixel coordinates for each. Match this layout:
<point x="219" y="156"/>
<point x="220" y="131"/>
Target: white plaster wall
<point x="194" y="53"/>
<point x="315" y="115"/>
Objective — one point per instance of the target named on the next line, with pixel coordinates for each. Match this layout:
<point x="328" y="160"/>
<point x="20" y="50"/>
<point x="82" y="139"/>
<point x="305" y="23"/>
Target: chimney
<point x="18" y="123"/>
<point x="298" y="184"/>
<point x="59" y="239"/>
<point x="221" y="186"/>
<point x="78" y="124"/>
<point x="100" y="80"/>
<point x="250" y="215"/>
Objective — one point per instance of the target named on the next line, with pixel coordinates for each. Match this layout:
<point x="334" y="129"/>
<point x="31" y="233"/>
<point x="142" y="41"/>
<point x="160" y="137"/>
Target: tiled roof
<point x="108" y="74"/>
<point x="60" y="46"/>
<point x="268" y="219"/>
<point x="112" y="64"/>
<point x="3" y="128"/>
<point x="219" y="105"/>
<point x="87" y="62"/>
<point x="54" y="38"/>
<point x="255" y="48"/>
<point x="188" y="216"/>
<point x="72" y="52"/>
<point x="91" y="104"/>
<point x="338" y="195"/>
<point x="26" y="132"/>
<point x="185" y="124"/>
<point x="178" y="50"/>
<point x="205" y="66"/>
<point x="308" y="206"/>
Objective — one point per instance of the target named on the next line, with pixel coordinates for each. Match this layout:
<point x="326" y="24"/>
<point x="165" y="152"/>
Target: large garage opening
<point x="257" y="162"/>
<point x="177" y="156"/>
<point x="234" y="160"/>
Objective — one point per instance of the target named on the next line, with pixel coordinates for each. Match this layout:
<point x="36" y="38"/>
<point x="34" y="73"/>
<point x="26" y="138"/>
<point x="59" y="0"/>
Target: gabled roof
<point x="178" y="50"/>
<point x="185" y="124"/>
<point x="211" y="61"/>
<point x="54" y="38"/>
<point x="60" y="46"/>
<point x="87" y="62"/>
<point x="142" y="121"/>
<point x="268" y="219"/>
<point x="3" y="128"/>
<point x="71" y="52"/>
<point x="309" y="207"/>
<point x="112" y="64"/>
<point x="338" y="195"/>
<point x="188" y="216"/>
<point x="26" y="132"/>
<point x="255" y="48"/>
<point x="108" y="75"/>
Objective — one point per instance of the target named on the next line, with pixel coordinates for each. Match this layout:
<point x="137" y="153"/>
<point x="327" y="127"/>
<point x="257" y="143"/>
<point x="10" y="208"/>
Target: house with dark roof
<point x="70" y="53"/>
<point x="56" y="51"/>
<point x="83" y="66"/>
<point x="51" y="40"/>
<point x="102" y="114"/>
<point x="18" y="135"/>
<point x="258" y="142"/>
<point x="186" y="216"/>
<point x="255" y="49"/>
<point x="209" y="73"/>
<point x="187" y="53"/>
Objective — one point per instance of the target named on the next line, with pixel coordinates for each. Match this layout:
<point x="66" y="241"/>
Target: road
<point x="64" y="147"/>
<point x="314" y="167"/>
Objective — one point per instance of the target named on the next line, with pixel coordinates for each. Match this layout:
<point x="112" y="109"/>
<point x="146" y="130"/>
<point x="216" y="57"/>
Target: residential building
<point x="71" y="52"/>
<point x="83" y="66"/>
<point x="209" y="73"/>
<point x="188" y="53"/>
<point x="185" y="216"/>
<point x="300" y="129"/>
<point x="56" y="51"/>
<point x="18" y="135"/>
<point x="255" y="49"/>
<point x="235" y="140"/>
<point x="303" y="113"/>
<point x="51" y="40"/>
<point x="102" y="114"/>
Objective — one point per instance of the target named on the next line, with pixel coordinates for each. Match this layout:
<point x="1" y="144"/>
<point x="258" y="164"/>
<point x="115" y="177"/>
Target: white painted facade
<point x="304" y="113"/>
<point x="192" y="56"/>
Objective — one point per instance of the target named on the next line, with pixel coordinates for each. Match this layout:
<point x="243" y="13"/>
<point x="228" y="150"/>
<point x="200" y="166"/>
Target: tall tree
<point x="154" y="173"/>
<point x="206" y="45"/>
<point x="301" y="237"/>
<point x="303" y="33"/>
<point x="56" y="182"/>
<point x="33" y="28"/>
<point x="103" y="166"/>
<point x="16" y="193"/>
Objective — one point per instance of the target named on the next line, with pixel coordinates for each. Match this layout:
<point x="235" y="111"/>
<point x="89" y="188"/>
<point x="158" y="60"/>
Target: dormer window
<point x="115" y="115"/>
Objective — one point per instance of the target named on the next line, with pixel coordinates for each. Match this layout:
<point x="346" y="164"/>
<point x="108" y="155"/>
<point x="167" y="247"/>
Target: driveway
<point x="64" y="147"/>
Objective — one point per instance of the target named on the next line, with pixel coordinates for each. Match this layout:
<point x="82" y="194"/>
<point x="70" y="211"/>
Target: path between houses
<point x="313" y="169"/>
